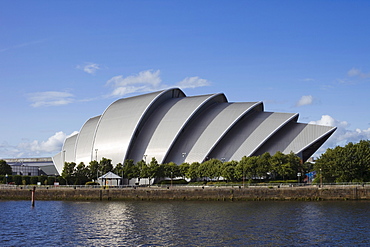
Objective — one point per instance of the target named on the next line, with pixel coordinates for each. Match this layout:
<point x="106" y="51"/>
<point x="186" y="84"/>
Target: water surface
<point x="137" y="223"/>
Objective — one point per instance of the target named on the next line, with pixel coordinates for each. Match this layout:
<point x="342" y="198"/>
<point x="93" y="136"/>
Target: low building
<point x="32" y="166"/>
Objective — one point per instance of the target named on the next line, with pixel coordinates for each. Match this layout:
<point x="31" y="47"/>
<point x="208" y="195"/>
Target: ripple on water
<point x="169" y="223"/>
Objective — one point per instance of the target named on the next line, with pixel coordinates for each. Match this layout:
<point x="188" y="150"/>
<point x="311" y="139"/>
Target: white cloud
<point x="305" y="100"/>
<point x="144" y="81"/>
<point x="193" y="82"/>
<point x="50" y="98"/>
<point x="342" y="135"/>
<point x="357" y="73"/>
<point x="35" y="148"/>
<point x="52" y="144"/>
<point x="147" y="81"/>
<point x="89" y="68"/>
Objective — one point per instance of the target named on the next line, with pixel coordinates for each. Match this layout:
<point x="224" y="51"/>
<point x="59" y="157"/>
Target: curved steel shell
<point x="171" y="127"/>
<point x="84" y="142"/>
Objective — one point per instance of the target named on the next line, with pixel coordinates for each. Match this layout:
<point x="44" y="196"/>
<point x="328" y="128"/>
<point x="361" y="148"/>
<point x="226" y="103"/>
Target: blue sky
<point x="62" y="62"/>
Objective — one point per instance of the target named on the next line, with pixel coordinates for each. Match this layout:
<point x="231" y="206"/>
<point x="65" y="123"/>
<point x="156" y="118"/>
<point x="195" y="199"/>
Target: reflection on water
<point x="55" y="223"/>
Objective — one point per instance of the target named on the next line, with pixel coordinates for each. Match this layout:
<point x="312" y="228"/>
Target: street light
<point x="6" y="178"/>
<point x="96" y="154"/>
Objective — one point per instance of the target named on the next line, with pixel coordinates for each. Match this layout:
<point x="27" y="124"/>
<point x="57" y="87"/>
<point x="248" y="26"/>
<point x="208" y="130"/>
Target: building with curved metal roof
<point x="172" y="127"/>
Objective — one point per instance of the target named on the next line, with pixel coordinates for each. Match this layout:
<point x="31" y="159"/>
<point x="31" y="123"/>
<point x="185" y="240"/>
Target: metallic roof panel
<point x="170" y="125"/>
<point x="84" y="142"/>
<point x="219" y="120"/>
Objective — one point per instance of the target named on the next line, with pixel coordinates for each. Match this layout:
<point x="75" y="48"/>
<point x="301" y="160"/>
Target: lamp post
<point x="320" y="178"/>
<point x="96" y="154"/>
<point x="6" y="178"/>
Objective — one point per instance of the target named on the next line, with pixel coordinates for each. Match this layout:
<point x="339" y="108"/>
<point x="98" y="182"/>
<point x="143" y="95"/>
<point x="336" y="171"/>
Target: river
<point x="177" y="223"/>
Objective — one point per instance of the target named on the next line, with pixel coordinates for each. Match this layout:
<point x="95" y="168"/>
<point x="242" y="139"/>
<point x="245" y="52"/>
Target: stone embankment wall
<point x="190" y="193"/>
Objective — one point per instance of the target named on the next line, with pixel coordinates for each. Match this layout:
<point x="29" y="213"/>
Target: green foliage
<point x="153" y="168"/>
<point x="210" y="168"/>
<point x="68" y="172"/>
<point x="50" y="180"/>
<point x="246" y="168"/>
<point x="193" y="171"/>
<point x="345" y="164"/>
<point x="118" y="169"/>
<point x="93" y="169"/>
<point x="105" y="165"/>
<point x="5" y="168"/>
<point x="143" y="169"/>
<point x="263" y="165"/>
<point x="81" y="174"/>
<point x="228" y="170"/>
<point x="183" y="169"/>
<point x="130" y="170"/>
<point x="26" y="180"/>
<point x="34" y="179"/>
<point x="17" y="179"/>
<point x="171" y="170"/>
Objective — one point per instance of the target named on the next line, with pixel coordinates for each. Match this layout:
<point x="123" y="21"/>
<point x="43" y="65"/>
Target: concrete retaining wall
<point x="190" y="193"/>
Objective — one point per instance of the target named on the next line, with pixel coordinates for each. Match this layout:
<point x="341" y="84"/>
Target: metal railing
<point x="236" y="185"/>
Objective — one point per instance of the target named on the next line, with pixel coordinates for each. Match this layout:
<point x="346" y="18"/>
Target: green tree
<point x="295" y="165"/>
<point x="81" y="174"/>
<point x="246" y="169"/>
<point x="210" y="168"/>
<point x="263" y="165"/>
<point x="118" y="170"/>
<point x="68" y="172"/>
<point x="228" y="170"/>
<point x="143" y="169"/>
<point x="5" y="168"/>
<point x="153" y="168"/>
<point x="130" y="170"/>
<point x="350" y="163"/>
<point x="184" y="168"/>
<point x="193" y="172"/>
<point x="105" y="165"/>
<point x="171" y="170"/>
<point x="93" y="170"/>
<point x="276" y="162"/>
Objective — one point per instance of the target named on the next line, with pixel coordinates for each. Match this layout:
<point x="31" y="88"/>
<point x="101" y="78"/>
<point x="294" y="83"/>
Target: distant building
<point x="32" y="166"/>
<point x="172" y="127"/>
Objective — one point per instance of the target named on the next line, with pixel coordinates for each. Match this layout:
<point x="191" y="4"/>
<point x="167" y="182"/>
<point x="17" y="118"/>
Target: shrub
<point x="17" y="179"/>
<point x="34" y="180"/>
<point x="26" y="180"/>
